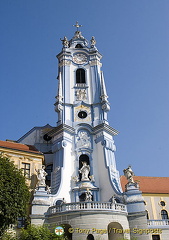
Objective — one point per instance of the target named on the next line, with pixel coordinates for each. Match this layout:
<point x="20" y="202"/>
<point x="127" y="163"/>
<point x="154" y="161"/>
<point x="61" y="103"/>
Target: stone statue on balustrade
<point x="113" y="200"/>
<point x="128" y="173"/>
<point x="41" y="176"/>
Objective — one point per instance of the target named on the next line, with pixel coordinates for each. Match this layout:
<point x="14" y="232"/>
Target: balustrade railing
<point x="81" y="85"/>
<point x="162" y="222"/>
<point x="83" y="206"/>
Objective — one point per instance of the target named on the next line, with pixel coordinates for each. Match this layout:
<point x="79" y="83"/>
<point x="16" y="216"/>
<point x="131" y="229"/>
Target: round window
<point x="162" y="203"/>
<point x="82" y="114"/>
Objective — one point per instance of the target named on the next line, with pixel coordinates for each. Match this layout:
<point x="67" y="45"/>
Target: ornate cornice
<point x="60" y="129"/>
<point x="105" y="127"/>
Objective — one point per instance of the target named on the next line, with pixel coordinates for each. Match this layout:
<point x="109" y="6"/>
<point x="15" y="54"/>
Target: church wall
<point x="164" y="235"/>
<point x="104" y="185"/>
<point x="48" y="159"/>
<point x="138" y="226"/>
<point x="90" y="223"/>
<point x="30" y="138"/>
<point x="95" y="84"/>
<point x="64" y="160"/>
<point x="36" y="137"/>
<point x="67" y="84"/>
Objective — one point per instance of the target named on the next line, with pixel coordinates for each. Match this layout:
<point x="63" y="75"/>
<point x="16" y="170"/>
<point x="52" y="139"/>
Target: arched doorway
<point x="67" y="234"/>
<point x="115" y="231"/>
<point x="90" y="237"/>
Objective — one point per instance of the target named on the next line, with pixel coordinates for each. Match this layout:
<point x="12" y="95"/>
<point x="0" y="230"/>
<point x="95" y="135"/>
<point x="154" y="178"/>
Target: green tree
<point x="35" y="233"/>
<point x="14" y="194"/>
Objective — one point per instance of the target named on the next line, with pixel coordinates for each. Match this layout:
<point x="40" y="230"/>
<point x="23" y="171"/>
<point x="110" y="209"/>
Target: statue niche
<point x="84" y="167"/>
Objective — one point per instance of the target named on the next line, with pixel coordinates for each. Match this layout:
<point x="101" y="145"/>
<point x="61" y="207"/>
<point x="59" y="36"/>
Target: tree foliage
<point x="35" y="233"/>
<point x="14" y="194"/>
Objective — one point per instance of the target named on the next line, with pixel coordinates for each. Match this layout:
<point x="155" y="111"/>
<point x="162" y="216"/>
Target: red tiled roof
<point x="149" y="184"/>
<point x="19" y="146"/>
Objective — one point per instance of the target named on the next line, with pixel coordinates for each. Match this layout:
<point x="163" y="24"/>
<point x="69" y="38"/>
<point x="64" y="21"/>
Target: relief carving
<point x="83" y="139"/>
<point x="81" y="94"/>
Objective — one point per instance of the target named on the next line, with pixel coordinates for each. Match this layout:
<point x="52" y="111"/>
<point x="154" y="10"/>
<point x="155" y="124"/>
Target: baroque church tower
<point x="85" y="196"/>
<point x="83" y="144"/>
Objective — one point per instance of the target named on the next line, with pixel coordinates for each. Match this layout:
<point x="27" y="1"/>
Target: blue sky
<point x="132" y="36"/>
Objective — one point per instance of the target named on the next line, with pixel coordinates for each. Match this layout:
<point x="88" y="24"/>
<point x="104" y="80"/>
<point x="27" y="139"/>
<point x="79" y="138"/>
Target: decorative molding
<point x="109" y="144"/>
<point x="95" y="62"/>
<point x="40" y="202"/>
<point x="57" y="146"/>
<point x="65" y="63"/>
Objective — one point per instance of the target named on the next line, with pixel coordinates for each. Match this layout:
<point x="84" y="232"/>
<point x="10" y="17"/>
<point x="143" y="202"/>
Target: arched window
<point x="78" y="46"/>
<point x="164" y="214"/>
<point x="80" y="75"/>
<point x="82" y="197"/>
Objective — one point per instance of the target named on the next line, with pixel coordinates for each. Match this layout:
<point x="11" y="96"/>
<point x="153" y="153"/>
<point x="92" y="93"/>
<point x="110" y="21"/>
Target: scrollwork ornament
<point x="106" y="107"/>
<point x="80" y="58"/>
<point x="64" y="143"/>
<point x="75" y="179"/>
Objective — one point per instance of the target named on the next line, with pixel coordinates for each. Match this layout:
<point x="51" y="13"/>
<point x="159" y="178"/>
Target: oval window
<point x="162" y="203"/>
<point x="82" y="114"/>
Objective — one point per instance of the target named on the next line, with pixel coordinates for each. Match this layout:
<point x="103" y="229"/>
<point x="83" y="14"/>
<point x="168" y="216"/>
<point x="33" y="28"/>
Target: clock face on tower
<point x="80" y="58"/>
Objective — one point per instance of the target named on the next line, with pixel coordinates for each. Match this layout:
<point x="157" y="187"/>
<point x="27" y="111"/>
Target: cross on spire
<point x="77" y="26"/>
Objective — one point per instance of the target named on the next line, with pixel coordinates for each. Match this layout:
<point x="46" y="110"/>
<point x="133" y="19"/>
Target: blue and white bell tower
<point x="85" y="196"/>
<point x="83" y="136"/>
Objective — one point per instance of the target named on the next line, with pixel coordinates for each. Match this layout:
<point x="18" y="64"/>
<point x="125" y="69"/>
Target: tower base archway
<point x="115" y="231"/>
